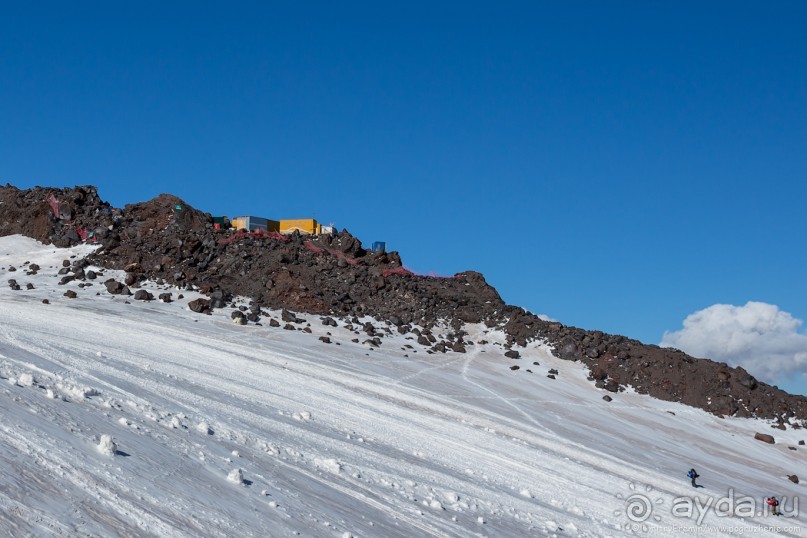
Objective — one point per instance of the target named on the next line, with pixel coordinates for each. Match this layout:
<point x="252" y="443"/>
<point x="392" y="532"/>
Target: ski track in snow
<point x="331" y="440"/>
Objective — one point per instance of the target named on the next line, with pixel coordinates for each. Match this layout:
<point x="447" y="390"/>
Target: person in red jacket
<point x="774" y="504"/>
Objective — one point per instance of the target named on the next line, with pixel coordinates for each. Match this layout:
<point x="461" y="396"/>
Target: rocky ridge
<point x="166" y="240"/>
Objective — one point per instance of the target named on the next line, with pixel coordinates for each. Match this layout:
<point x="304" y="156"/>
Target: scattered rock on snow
<point x="764" y="437"/>
<point x="143" y="295"/>
<point x="114" y="287"/>
<point x="200" y="306"/>
<point x="289" y="317"/>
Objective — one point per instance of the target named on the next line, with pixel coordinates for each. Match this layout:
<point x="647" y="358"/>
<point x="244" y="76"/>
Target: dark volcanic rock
<point x="114" y="287"/>
<point x="143" y="295"/>
<point x="764" y="437"/>
<point x="289" y="316"/>
<point x="200" y="305"/>
<point x="334" y="276"/>
<point x="611" y="386"/>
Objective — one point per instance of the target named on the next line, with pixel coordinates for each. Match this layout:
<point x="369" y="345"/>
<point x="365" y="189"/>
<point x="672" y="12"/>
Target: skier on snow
<point x="693" y="474"/>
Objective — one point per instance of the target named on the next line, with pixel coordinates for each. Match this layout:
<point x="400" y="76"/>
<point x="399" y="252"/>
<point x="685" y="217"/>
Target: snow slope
<point x="146" y="419"/>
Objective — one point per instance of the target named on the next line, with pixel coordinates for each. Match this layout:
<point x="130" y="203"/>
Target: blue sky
<point x="616" y="167"/>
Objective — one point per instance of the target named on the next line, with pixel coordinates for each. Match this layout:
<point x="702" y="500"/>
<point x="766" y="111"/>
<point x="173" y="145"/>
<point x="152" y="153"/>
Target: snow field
<point x="147" y="418"/>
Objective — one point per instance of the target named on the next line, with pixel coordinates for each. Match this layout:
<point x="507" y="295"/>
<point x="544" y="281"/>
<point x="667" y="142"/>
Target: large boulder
<point x="200" y="306"/>
<point x="143" y="295"/>
<point x="114" y="287"/>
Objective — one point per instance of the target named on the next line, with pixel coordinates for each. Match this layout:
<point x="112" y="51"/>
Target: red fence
<point x="260" y="233"/>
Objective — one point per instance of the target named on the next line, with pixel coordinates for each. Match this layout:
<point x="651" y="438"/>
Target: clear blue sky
<point x="616" y="166"/>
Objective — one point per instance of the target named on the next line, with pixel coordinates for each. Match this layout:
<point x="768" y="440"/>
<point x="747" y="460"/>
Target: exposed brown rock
<point x="166" y="239"/>
<point x="764" y="437"/>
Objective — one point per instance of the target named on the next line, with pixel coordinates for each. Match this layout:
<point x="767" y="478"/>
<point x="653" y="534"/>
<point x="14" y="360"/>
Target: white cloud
<point x="758" y="336"/>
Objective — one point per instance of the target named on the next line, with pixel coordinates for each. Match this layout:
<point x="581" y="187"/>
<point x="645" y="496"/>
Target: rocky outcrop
<point x="664" y="373"/>
<point x="59" y="216"/>
<point x="334" y="276"/>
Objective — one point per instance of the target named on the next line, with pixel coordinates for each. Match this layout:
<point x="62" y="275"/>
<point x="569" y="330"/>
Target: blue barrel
<point x="379" y="246"/>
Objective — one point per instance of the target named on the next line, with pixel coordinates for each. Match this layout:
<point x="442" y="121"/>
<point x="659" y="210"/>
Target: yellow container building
<point x="304" y="226"/>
